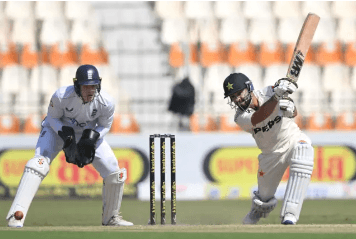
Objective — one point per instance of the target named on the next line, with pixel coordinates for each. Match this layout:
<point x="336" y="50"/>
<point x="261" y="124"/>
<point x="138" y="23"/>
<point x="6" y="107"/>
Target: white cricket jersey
<point x="275" y="133"/>
<point x="66" y="108"/>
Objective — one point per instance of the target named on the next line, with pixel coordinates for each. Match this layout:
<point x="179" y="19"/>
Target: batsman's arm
<point x="264" y="111"/>
<point x="105" y="120"/>
<point x="54" y="113"/>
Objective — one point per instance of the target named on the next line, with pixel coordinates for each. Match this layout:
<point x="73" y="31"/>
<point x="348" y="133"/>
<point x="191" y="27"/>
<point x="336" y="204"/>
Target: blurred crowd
<point x="42" y="43"/>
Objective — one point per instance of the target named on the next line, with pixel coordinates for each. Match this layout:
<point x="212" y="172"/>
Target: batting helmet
<point x="86" y="75"/>
<point x="236" y="82"/>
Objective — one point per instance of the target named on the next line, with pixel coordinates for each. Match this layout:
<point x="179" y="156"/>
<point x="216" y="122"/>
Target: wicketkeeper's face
<point x="88" y="92"/>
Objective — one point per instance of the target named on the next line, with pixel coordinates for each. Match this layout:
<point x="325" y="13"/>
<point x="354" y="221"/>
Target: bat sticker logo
<point x="297" y="64"/>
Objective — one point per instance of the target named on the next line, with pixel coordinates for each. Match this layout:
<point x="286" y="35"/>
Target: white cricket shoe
<point x="289" y="219"/>
<point x="118" y="221"/>
<point x="252" y="217"/>
<point x="12" y="222"/>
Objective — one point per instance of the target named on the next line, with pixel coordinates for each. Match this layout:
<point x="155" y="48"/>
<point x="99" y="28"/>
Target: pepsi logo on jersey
<point x="268" y="126"/>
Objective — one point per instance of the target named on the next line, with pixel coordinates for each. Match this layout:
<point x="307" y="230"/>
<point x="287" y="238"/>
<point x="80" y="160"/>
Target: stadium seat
<point x="270" y="53"/>
<point x="326" y="31"/>
<point x="169" y="9"/>
<point x="241" y="53"/>
<point x="335" y="76"/>
<point x="212" y="87"/>
<point x="176" y="56"/>
<point x="227" y="9"/>
<point x="124" y="123"/>
<point x="29" y="56"/>
<point x="343" y="9"/>
<point x="211" y="54"/>
<point x="43" y="79"/>
<point x="227" y="123"/>
<point x="262" y="30"/>
<point x="257" y="9"/>
<point x="13" y="78"/>
<point x="286" y="9"/>
<point x="9" y="124"/>
<point x="353" y="78"/>
<point x="54" y="31"/>
<point x="329" y="53"/>
<point x="195" y="76"/>
<point x="19" y="9"/>
<point x="32" y="124"/>
<point x="108" y="80"/>
<point x="289" y="50"/>
<point x="198" y="9"/>
<point x="199" y="122"/>
<point x="24" y="31"/>
<point x="90" y="55"/>
<point x="62" y="54"/>
<point x="286" y="30"/>
<point x="67" y="73"/>
<point x="321" y="8"/>
<point x="349" y="57"/>
<point x="4" y="29"/>
<point x="9" y="55"/>
<point x="336" y="84"/>
<point x="44" y="54"/>
<point x="233" y="30"/>
<point x="75" y="10"/>
<point x="254" y="72"/>
<point x="346" y="30"/>
<point x="346" y="121"/>
<point x="273" y="73"/>
<point x="319" y="121"/>
<point x="193" y="54"/>
<point x="173" y="30"/>
<point x="309" y="95"/>
<point x="83" y="32"/>
<point x="49" y="9"/>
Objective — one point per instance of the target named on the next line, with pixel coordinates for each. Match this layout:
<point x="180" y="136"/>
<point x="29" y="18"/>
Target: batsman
<point x="268" y="115"/>
<point x="78" y="118"/>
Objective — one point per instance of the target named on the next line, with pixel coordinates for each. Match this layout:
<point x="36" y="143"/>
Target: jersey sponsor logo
<point x="268" y="126"/>
<point x="76" y="123"/>
<point x="94" y="112"/>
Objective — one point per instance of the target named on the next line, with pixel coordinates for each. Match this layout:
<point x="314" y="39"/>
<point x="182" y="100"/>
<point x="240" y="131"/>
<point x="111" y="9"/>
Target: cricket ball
<point x="18" y="215"/>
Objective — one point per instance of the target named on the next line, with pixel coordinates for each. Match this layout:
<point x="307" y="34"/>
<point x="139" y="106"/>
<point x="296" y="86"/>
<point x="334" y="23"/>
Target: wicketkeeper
<point x="78" y="118"/>
<point x="268" y="115"/>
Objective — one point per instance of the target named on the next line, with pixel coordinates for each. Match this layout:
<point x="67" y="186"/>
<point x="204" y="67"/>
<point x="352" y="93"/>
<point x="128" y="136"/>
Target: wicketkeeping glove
<point x="86" y="147"/>
<point x="69" y="146"/>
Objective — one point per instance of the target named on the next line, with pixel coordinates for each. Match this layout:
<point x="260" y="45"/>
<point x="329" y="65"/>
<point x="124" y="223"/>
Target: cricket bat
<point x="302" y="46"/>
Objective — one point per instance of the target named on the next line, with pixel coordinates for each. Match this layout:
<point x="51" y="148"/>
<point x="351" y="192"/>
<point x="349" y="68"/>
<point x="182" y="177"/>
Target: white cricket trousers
<point x="272" y="167"/>
<point x="49" y="144"/>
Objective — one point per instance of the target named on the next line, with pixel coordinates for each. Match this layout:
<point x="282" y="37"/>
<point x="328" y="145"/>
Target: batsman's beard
<point x="245" y="103"/>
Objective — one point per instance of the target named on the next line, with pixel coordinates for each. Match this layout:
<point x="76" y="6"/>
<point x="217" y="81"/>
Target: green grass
<point x="195" y="219"/>
<point x="170" y="235"/>
<point x="88" y="212"/>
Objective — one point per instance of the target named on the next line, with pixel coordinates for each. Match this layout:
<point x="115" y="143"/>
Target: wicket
<point x="163" y="178"/>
